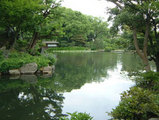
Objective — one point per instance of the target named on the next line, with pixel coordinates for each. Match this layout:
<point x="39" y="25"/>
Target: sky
<point x="97" y="8"/>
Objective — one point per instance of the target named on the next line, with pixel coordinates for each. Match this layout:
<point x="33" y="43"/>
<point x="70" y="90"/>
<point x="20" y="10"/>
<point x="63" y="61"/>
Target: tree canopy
<point x="142" y="19"/>
<point x="24" y="24"/>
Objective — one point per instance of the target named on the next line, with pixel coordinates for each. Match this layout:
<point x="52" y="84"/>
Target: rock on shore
<point x="29" y="68"/>
<point x="47" y="70"/>
<point x="14" y="72"/>
<point x="32" y="68"/>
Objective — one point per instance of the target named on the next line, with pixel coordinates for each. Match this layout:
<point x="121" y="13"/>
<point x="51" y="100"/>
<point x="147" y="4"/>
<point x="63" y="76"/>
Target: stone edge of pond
<point x="30" y="69"/>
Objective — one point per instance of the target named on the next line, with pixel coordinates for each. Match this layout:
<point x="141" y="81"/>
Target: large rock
<point x="30" y="68"/>
<point x="14" y="72"/>
<point x="47" y="70"/>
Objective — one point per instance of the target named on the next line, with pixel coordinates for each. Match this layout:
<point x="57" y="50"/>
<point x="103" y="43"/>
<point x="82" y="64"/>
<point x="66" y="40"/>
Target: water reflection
<point x="89" y="82"/>
<point x="27" y="101"/>
<point x="73" y="70"/>
<point x="131" y="62"/>
<point x="98" y="98"/>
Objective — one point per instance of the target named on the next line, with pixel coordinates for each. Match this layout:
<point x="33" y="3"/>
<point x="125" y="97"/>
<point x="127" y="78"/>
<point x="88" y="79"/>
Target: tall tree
<point x="98" y="28"/>
<point x="21" y="16"/>
<point x="45" y="14"/>
<point x="75" y="26"/>
<point x="17" y="16"/>
<point x="139" y="16"/>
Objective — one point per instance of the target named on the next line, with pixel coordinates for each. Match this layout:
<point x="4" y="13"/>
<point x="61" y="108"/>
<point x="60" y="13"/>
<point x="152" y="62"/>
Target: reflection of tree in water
<point x="31" y="102"/>
<point x="131" y="62"/>
<point x="20" y="100"/>
<point x="75" y="69"/>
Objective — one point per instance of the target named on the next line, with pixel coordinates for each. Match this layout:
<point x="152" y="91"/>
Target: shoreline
<point x="64" y="51"/>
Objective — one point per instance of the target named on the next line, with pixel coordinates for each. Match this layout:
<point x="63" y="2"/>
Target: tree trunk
<point x="157" y="62"/>
<point x="157" y="66"/>
<point x="142" y="53"/>
<point x="34" y="40"/>
<point x="12" y="37"/>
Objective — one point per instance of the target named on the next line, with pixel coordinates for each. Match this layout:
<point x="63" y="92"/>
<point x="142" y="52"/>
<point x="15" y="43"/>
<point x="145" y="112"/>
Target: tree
<point x="18" y="16"/>
<point x="46" y="15"/>
<point x="80" y="29"/>
<point x="98" y="28"/>
<point x="76" y="28"/>
<point x="141" y="18"/>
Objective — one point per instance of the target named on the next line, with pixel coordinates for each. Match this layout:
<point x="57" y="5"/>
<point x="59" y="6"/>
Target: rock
<point x="32" y="79"/>
<point x="47" y="70"/>
<point x="30" y="68"/>
<point x="14" y="72"/>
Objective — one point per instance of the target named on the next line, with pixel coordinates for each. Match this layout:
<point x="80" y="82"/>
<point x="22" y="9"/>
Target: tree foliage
<point x="136" y="104"/>
<point x="142" y="19"/>
<point x="24" y="24"/>
<point x="21" y="19"/>
<point x="79" y="29"/>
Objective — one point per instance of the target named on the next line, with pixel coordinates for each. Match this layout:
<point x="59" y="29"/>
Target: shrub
<point x="78" y="116"/>
<point x="8" y="64"/>
<point x="136" y="104"/>
<point x="108" y="49"/>
<point x="16" y="60"/>
<point x="41" y="61"/>
<point x="97" y="44"/>
<point x="50" y="57"/>
<point x="149" y="80"/>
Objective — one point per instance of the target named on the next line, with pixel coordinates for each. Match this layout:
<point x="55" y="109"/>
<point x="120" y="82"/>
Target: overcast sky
<point x="96" y="8"/>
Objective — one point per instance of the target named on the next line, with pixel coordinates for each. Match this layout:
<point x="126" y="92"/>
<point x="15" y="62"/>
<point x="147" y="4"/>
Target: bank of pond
<point x="16" y="63"/>
<point x="84" y="86"/>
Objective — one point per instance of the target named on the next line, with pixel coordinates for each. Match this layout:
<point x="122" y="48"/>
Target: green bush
<point x="149" y="80"/>
<point x="97" y="44"/>
<point x="8" y="64"/>
<point x="78" y="116"/>
<point x="50" y="57"/>
<point x="136" y="104"/>
<point x="41" y="61"/>
<point x="16" y="60"/>
<point x="108" y="49"/>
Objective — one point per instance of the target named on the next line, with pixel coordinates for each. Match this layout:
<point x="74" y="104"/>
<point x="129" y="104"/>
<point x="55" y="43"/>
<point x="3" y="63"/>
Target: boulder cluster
<point x="32" y="68"/>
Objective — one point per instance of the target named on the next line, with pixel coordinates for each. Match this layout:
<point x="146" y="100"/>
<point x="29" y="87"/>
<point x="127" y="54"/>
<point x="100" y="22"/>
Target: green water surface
<point x="82" y="82"/>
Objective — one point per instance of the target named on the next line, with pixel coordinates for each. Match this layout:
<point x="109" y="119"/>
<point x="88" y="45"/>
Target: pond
<point x="82" y="82"/>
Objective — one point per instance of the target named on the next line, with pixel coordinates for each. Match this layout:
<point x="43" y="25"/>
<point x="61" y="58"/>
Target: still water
<point x="82" y="82"/>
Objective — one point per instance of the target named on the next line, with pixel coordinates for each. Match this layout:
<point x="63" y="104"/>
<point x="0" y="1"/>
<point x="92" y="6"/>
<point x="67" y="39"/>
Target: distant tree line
<point x="24" y="24"/>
